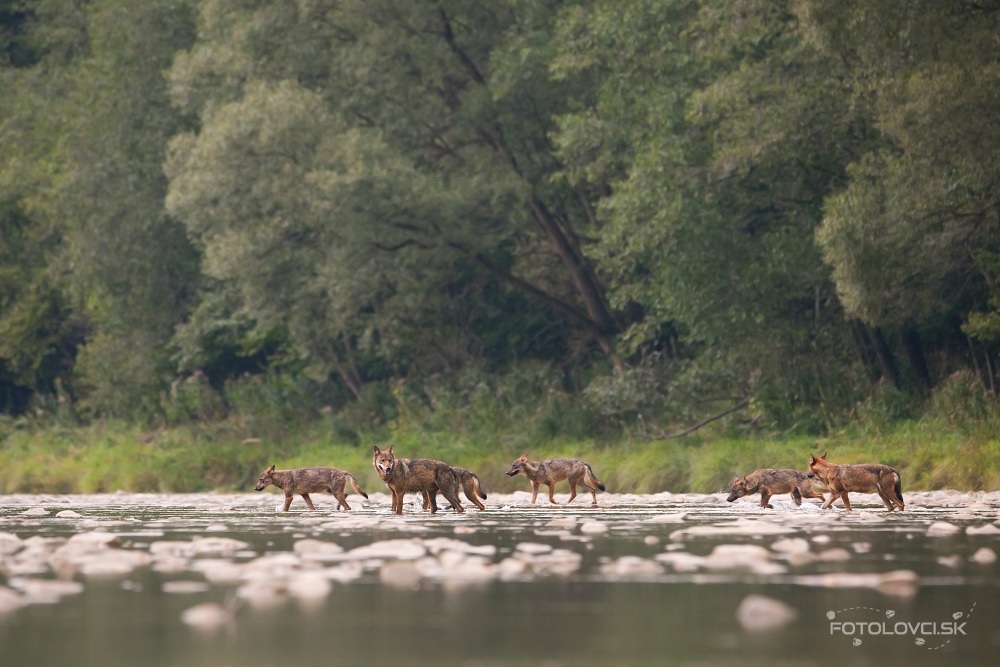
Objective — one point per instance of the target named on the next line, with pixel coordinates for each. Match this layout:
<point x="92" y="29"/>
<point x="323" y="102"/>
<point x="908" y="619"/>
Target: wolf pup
<point x="470" y="484"/>
<point x="549" y="472"/>
<point x="304" y="481"/>
<point x="770" y="481"/>
<point x="416" y="475"/>
<point x="860" y="478"/>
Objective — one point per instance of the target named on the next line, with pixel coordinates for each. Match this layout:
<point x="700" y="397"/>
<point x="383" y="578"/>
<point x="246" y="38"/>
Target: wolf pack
<point x="429" y="477"/>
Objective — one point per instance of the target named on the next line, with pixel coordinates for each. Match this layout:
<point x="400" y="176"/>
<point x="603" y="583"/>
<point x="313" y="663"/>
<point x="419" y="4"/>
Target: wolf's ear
<point x="523" y="457"/>
<point x="271" y="469"/>
<point x="375" y="449"/>
<point x="736" y="480"/>
<point x="812" y="459"/>
<point x="823" y="456"/>
<point x="389" y="451"/>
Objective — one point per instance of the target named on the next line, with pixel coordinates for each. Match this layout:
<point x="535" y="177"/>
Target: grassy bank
<point x="223" y="456"/>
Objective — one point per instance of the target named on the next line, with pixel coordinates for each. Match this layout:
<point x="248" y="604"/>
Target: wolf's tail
<point x="592" y="480"/>
<point x="354" y="483"/>
<point x="479" y="487"/>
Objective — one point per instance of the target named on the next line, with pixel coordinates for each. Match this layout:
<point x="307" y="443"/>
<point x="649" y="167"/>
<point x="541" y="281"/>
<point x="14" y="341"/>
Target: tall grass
<point x="482" y="424"/>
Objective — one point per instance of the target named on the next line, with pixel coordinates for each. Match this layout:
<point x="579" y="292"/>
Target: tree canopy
<point x="681" y="207"/>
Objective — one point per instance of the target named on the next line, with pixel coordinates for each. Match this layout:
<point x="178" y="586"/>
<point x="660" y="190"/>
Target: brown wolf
<point x="470" y="484"/>
<point x="860" y="478"/>
<point x="304" y="481"/>
<point x="416" y="475"/>
<point x="770" y="481"/>
<point x="549" y="472"/>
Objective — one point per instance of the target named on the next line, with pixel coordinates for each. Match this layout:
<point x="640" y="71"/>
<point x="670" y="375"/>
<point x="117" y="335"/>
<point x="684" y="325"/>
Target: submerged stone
<point x="942" y="529"/>
<point x="984" y="556"/>
<point x="759" y="613"/>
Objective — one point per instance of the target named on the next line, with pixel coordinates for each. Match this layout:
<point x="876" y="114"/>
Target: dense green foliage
<point x="605" y="221"/>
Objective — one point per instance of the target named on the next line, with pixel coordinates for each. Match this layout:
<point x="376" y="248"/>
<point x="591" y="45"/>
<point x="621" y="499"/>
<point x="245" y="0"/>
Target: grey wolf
<point x="772" y="481"/>
<point x="551" y="471"/>
<point x="403" y="476"/>
<point x="303" y="481"/>
<point x="470" y="484"/>
<point x="860" y="478"/>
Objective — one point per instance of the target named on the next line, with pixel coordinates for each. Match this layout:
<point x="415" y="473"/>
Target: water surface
<point x="637" y="580"/>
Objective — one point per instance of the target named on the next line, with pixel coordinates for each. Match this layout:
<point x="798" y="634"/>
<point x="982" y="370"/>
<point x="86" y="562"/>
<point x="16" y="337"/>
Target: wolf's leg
<point x="847" y="502"/>
<point x="342" y="499"/>
<point x="309" y="502"/>
<point x="534" y="491"/>
<point x="765" y="495"/>
<point x="288" y="502"/>
<point x="572" y="491"/>
<point x="829" y="501"/>
<point x="552" y="492"/>
<point x="452" y="496"/>
<point x="470" y="493"/>
<point x="885" y="498"/>
<point x="432" y="497"/>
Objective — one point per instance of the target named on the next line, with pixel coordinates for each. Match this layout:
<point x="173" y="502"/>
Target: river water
<point x="664" y="579"/>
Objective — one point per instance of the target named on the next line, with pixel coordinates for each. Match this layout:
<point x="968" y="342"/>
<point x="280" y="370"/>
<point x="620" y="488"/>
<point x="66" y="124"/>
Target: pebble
<point x="791" y="545"/>
<point x="10" y="544"/>
<point x="942" y="529"/>
<point x="631" y="566"/>
<point x="593" y="528"/>
<point x="206" y="616"/>
<point x="746" y="527"/>
<point x="759" y="613"/>
<point x="681" y="561"/>
<point x="984" y="556"/>
<point x="185" y="587"/>
<point x="9" y="600"/>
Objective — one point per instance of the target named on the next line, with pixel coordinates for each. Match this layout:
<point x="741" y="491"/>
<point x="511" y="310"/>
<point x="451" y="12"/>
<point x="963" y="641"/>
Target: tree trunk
<point x="913" y="348"/>
<point x="866" y="350"/>
<point x="605" y="324"/>
<point x="885" y="359"/>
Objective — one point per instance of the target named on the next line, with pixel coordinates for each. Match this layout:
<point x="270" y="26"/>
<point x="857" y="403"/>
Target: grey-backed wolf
<point x="771" y="481"/>
<point x="860" y="478"/>
<point x="304" y="481"/>
<point x="470" y="484"/>
<point x="551" y="471"/>
<point x="428" y="476"/>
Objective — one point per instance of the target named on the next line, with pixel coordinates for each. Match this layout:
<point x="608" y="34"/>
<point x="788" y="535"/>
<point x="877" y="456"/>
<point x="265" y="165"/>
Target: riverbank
<point x="114" y="456"/>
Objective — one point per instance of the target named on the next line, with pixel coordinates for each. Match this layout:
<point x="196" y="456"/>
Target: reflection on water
<point x="638" y="580"/>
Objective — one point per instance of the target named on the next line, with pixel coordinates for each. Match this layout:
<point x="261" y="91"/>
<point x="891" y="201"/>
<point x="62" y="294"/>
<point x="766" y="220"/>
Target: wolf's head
<point x="266" y="478"/>
<point x="818" y="467"/>
<point x="383" y="461"/>
<point x="739" y="489"/>
<point x="518" y="465"/>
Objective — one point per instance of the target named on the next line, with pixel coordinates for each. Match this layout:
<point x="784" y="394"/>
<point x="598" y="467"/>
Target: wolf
<point x="304" y="481"/>
<point x="551" y="471"/>
<point x="860" y="478"/>
<point x="416" y="475"/>
<point x="469" y="481"/>
<point x="771" y="481"/>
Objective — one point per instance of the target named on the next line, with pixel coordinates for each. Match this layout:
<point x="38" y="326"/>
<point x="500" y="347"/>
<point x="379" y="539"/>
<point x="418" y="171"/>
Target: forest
<point x="627" y="220"/>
